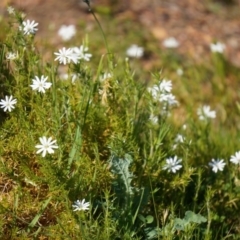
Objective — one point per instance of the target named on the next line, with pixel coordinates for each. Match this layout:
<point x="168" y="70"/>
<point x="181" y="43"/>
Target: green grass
<point x="109" y="151"/>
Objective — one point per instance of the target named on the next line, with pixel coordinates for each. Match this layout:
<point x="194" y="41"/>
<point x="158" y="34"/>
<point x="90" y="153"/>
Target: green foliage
<point x="129" y="200"/>
<point x="190" y="218"/>
<point x="114" y="137"/>
<point x="120" y="168"/>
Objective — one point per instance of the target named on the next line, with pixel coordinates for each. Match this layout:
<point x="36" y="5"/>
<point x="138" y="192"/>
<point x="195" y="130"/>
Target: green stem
<point x="101" y="29"/>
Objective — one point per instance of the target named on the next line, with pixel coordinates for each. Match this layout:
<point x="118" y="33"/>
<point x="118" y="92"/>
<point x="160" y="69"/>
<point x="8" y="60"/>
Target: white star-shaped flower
<point x="165" y="86"/>
<point x="153" y="119"/>
<point x="204" y="113"/>
<point x="72" y="76"/>
<point x="67" y="32"/>
<point x="11" y="56"/>
<point x="217" y="165"/>
<point x="28" y="27"/>
<point x="105" y="76"/>
<point x="11" y="10"/>
<point x="80" y="205"/>
<point x="66" y="56"/>
<point x="135" y="51"/>
<point x="40" y="84"/>
<point x="47" y="146"/>
<point x="168" y="98"/>
<point x="154" y="90"/>
<point x="217" y="47"/>
<point x="235" y="158"/>
<point x="173" y="164"/>
<point x="179" y="72"/>
<point x="179" y="138"/>
<point x="162" y="92"/>
<point x="170" y="43"/>
<point x="8" y="103"/>
<point x="81" y="53"/>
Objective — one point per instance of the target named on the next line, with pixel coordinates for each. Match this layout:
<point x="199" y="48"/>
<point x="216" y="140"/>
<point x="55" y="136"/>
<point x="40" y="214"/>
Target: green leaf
<point x="142" y="218"/>
<point x="75" y="151"/>
<point x="149" y="219"/>
<point x="180" y="224"/>
<point x="152" y="233"/>
<point x="120" y="167"/>
<point x="193" y="217"/>
<point x="39" y="214"/>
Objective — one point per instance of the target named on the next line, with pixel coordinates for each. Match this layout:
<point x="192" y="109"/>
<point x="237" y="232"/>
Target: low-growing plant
<point x="106" y="155"/>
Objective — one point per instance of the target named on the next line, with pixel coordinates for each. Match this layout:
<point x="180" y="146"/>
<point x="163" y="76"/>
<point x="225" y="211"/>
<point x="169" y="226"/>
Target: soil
<point x="195" y="24"/>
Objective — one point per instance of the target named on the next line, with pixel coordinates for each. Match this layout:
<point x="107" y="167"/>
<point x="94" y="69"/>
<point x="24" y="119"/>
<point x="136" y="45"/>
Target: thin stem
<point x="101" y="29"/>
<point x="154" y="203"/>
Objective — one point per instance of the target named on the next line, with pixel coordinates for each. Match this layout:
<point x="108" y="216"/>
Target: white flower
<point x="217" y="165"/>
<point x="8" y="103"/>
<point x="165" y="86"/>
<point x="173" y="164"/>
<point x="217" y="47"/>
<point x="179" y="72"/>
<point x="204" y="113"/>
<point x="66" y="56"/>
<point x="154" y="90"/>
<point x="105" y="76"/>
<point x="235" y="158"/>
<point x="81" y="205"/>
<point x="184" y="126"/>
<point x="11" y="56"/>
<point x="64" y="76"/>
<point x="23" y="15"/>
<point x="162" y="93"/>
<point x="28" y="27"/>
<point x="168" y="98"/>
<point x="153" y="119"/>
<point x="47" y="146"/>
<point x="179" y="138"/>
<point x="81" y="53"/>
<point x="67" y="32"/>
<point x="40" y="84"/>
<point x="11" y="10"/>
<point x="170" y="43"/>
<point x="73" y="76"/>
<point x="135" y="51"/>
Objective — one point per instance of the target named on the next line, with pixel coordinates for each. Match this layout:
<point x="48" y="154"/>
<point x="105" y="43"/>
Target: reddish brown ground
<point x="195" y="24"/>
